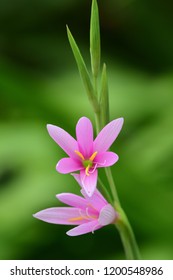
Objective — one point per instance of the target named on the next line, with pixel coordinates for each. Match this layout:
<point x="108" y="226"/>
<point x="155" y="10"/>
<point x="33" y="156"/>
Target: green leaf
<point x="95" y="39"/>
<point x="104" y="97"/>
<point x="83" y="72"/>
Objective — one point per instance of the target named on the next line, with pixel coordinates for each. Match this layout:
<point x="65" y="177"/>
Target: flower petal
<point x="89" y="182"/>
<point x="107" y="215"/>
<point x="73" y="200"/>
<point x="63" y="139"/>
<point x="60" y="215"/>
<point x="108" y="135"/>
<point x="84" y="135"/>
<point x="67" y="165"/>
<point x="96" y="200"/>
<point x="106" y="159"/>
<point x="84" y="228"/>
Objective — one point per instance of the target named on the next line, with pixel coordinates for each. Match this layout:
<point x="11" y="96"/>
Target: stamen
<point x="100" y="163"/>
<point x="93" y="156"/>
<point x="80" y="218"/>
<point x="87" y="213"/>
<point x="87" y="170"/>
<point x="80" y="155"/>
<point x="90" y="216"/>
<point x="95" y="167"/>
<point x="76" y="219"/>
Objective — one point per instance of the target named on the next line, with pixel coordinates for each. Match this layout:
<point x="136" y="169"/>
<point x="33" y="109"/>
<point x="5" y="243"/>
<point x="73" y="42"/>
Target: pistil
<point x="87" y="163"/>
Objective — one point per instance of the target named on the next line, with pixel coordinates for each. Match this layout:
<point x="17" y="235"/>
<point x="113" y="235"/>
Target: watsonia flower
<point x="86" y="213"/>
<point x="86" y="154"/>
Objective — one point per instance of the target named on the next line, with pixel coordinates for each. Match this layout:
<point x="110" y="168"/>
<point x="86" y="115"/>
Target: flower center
<point x="87" y="163"/>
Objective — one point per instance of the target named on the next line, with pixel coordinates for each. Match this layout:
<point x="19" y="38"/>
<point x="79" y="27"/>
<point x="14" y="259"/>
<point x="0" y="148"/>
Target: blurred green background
<point x="39" y="84"/>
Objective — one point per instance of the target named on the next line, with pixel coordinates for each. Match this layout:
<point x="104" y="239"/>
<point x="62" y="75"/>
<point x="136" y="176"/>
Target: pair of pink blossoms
<point x="91" y="211"/>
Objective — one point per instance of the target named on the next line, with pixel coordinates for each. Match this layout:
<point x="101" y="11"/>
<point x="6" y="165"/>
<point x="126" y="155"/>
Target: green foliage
<point x="95" y="39"/>
<point x="104" y="97"/>
<point x="83" y="71"/>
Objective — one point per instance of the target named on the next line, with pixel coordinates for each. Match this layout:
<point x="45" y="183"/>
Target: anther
<point x="87" y="170"/>
<point x="93" y="156"/>
<point x="80" y="155"/>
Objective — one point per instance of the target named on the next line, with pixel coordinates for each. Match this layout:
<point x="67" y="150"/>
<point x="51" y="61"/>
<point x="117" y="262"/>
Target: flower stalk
<point x="127" y="236"/>
<point x="100" y="104"/>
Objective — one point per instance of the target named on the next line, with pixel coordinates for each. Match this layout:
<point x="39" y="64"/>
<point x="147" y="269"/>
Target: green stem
<point x="127" y="237"/>
<point x="95" y="86"/>
<point x="123" y="225"/>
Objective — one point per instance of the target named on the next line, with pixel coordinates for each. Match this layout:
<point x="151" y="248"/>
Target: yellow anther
<point x="80" y="218"/>
<point x="87" y="170"/>
<point x="80" y="155"/>
<point x="93" y="156"/>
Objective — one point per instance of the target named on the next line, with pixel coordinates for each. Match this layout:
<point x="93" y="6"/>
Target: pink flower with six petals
<point x="86" y="154"/>
<point x="88" y="213"/>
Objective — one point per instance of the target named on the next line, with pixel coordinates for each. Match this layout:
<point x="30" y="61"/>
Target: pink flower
<point x="88" y="213"/>
<point x="86" y="154"/>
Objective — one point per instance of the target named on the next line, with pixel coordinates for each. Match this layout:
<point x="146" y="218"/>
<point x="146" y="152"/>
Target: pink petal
<point x="89" y="182"/>
<point x="63" y="139"/>
<point x="96" y="200"/>
<point x="107" y="215"/>
<point x="67" y="165"/>
<point x="105" y="159"/>
<point x="73" y="200"/>
<point x="84" y="228"/>
<point x="60" y="215"/>
<point x="84" y="135"/>
<point x="108" y="135"/>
